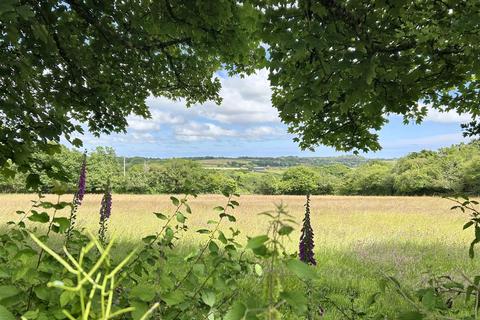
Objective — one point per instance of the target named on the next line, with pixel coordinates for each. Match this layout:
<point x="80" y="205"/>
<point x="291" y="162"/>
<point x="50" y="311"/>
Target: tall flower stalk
<point x="307" y="244"/>
<point x="78" y="196"/>
<point x="105" y="212"/>
<point x="306" y="255"/>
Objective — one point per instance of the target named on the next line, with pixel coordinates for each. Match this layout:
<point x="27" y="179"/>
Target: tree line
<point x="451" y="170"/>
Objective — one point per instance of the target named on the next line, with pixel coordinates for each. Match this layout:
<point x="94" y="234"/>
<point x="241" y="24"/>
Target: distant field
<point x="357" y="238"/>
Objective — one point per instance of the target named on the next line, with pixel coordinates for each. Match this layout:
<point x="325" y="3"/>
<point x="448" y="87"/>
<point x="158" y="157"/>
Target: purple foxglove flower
<point x="105" y="212"/>
<point x="82" y="180"/>
<point x="106" y="208"/>
<point x="306" y="239"/>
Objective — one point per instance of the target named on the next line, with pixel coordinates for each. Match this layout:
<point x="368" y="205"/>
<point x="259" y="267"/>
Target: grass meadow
<point x="358" y="239"/>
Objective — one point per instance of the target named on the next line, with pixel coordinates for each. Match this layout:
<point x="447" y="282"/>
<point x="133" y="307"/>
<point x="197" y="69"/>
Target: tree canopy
<point x="337" y="68"/>
<point x="448" y="171"/>
<point x="72" y="65"/>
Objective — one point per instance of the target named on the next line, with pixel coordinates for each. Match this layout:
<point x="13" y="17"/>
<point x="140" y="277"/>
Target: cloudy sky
<point x="247" y="125"/>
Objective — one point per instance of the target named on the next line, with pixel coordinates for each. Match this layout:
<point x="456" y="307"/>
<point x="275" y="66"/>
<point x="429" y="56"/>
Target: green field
<point x="358" y="239"/>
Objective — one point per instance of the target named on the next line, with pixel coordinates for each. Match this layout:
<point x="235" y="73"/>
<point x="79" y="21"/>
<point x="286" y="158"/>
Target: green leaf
<point x="467" y="225"/>
<point x="8" y="291"/>
<point x="5" y="314"/>
<point x="257" y="242"/>
<point x="175" y="201"/>
<point x="208" y="297"/>
<point x="471" y="249"/>
<point x="63" y="224"/>
<point x="149" y="238"/>
<point x="261" y="251"/>
<point x="143" y="292"/>
<point x="140" y="309"/>
<point x="236" y="312"/>
<point x="222" y="237"/>
<point x="285" y="230"/>
<point x="25" y="12"/>
<point x="213" y="247"/>
<point x="39" y="217"/>
<point x="59" y="188"/>
<point x="172" y="298"/>
<point x="203" y="231"/>
<point x="301" y="269"/>
<point x="469" y="293"/>
<point x="180" y="217"/>
<point x="32" y="314"/>
<point x="160" y="216"/>
<point x="77" y="143"/>
<point x="66" y="297"/>
<point x="42" y="293"/>
<point x="296" y="299"/>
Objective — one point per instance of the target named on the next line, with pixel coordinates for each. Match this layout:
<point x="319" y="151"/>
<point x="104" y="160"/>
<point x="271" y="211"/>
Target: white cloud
<point x="194" y="131"/>
<point x="435" y="115"/>
<point x="447" y="117"/>
<point x="245" y="101"/>
<point x="245" y="108"/>
<point x="143" y="137"/>
<point x="137" y="123"/>
<point x="263" y="132"/>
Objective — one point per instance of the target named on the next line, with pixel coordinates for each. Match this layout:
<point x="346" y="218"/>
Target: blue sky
<point x="246" y="124"/>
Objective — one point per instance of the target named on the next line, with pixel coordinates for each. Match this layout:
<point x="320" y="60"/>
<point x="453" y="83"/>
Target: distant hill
<point x="351" y="161"/>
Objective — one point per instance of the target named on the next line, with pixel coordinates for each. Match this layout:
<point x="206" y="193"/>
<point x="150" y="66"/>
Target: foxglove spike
<point x="82" y="181"/>
<point x="307" y="244"/>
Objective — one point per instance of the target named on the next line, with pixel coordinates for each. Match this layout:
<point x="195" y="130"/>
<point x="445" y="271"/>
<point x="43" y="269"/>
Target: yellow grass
<point x="338" y="221"/>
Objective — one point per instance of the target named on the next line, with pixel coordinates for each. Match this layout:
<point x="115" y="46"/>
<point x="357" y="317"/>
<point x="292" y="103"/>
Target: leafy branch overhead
<point x="94" y="63"/>
<point x="337" y="68"/>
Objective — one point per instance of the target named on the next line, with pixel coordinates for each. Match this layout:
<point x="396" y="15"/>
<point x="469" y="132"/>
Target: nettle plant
<point x="51" y="269"/>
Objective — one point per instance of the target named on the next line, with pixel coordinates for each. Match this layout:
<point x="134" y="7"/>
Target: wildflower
<point x="105" y="212"/>
<point x="77" y="197"/>
<point x="306" y="239"/>
<point x="82" y="181"/>
<point x="106" y="208"/>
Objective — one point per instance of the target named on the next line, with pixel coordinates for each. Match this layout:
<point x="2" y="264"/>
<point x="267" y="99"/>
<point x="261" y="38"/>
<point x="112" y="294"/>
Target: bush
<point x="423" y="173"/>
<point x="471" y="177"/>
<point x="299" y="180"/>
<point x="180" y="176"/>
<point x="374" y="178"/>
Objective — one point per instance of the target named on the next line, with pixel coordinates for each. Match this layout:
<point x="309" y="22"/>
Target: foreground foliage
<point x="91" y="282"/>
<point x="218" y="279"/>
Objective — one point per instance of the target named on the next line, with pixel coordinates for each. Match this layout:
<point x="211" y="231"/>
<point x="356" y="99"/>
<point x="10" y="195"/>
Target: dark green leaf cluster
<point x="71" y="66"/>
<point x="338" y="69"/>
